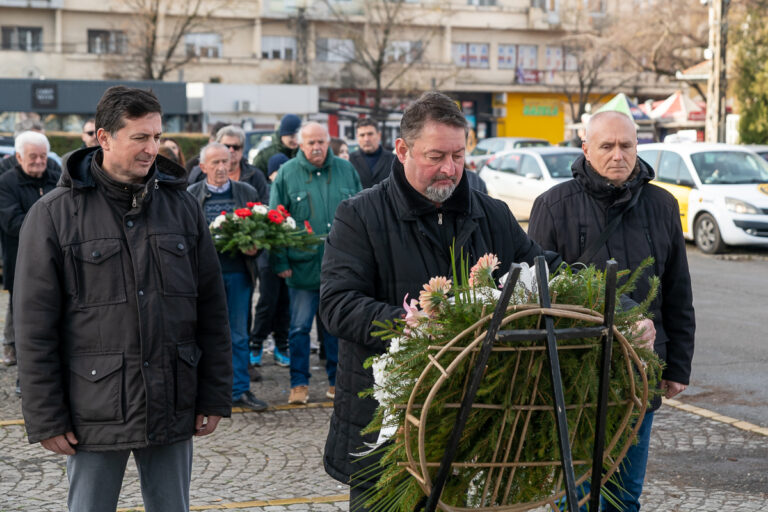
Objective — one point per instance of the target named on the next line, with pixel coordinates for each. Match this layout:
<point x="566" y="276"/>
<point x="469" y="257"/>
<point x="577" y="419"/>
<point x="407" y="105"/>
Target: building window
<point x="470" y="55"/>
<point x="26" y="39"/>
<point x="106" y="41"/>
<point x="330" y="49"/>
<point x="507" y="56"/>
<point x="404" y="51"/>
<point x="481" y="2"/>
<point x="527" y="56"/>
<point x="278" y="48"/>
<point x="546" y="5"/>
<point x="553" y="58"/>
<point x="596" y="7"/>
<point x="203" y="45"/>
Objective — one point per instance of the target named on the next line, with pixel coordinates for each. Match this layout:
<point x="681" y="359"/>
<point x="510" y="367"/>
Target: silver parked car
<point x="519" y="176"/>
<point x="486" y="148"/>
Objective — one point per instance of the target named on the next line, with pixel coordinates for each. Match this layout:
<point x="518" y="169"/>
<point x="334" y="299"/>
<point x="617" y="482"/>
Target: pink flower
<point x="482" y="272"/>
<point x="412" y="314"/>
<point x="434" y="294"/>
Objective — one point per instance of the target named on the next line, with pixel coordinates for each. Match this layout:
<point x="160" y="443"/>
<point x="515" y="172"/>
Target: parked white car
<point x="486" y="148"/>
<point x="722" y="190"/>
<point x="519" y="176"/>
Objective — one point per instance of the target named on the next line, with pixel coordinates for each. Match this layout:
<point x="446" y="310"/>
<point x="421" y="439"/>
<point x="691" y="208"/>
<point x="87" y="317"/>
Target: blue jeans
<point x="630" y="475"/>
<point x="238" y="288"/>
<point x="303" y="308"/>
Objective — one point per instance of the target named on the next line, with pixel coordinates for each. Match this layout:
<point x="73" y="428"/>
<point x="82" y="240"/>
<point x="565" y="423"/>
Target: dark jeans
<point x="273" y="314"/>
<point x="303" y="310"/>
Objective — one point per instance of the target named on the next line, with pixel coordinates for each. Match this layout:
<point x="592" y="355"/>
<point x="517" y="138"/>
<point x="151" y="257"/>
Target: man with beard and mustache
<point x="310" y="186"/>
<point x="385" y="243"/>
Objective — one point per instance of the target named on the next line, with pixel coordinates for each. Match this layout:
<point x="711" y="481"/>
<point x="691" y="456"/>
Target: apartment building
<point x="503" y="60"/>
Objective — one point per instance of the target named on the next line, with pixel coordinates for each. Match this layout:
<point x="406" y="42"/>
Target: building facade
<point x="505" y="61"/>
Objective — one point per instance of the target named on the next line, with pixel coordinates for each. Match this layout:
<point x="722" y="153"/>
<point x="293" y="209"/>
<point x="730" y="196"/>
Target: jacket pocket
<point x="96" y="388"/>
<point x="301" y="209"/>
<point x="178" y="265"/>
<point x="99" y="276"/>
<point x="186" y="375"/>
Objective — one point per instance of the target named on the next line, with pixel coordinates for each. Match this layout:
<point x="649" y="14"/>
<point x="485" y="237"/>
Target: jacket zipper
<point x="41" y="191"/>
<point x="440" y="219"/>
<point x="653" y="251"/>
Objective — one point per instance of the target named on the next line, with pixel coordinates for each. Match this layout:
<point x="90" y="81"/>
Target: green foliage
<point x="62" y="143"/>
<point x="190" y="143"/>
<point x="751" y="67"/>
<point x="515" y="380"/>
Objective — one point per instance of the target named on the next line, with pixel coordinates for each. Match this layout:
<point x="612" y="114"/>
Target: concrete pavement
<point x="272" y="461"/>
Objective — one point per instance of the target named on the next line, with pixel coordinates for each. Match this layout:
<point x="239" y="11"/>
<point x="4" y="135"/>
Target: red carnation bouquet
<point x="258" y="226"/>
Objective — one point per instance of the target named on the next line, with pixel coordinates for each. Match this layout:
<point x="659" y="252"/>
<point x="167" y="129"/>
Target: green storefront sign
<point x="533" y="109"/>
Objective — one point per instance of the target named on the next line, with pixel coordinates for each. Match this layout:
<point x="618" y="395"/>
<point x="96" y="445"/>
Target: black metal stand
<point x="551" y="335"/>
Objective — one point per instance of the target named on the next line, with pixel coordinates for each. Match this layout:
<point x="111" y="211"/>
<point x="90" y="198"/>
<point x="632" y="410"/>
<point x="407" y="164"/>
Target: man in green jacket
<point x="283" y="141"/>
<point x="310" y="186"/>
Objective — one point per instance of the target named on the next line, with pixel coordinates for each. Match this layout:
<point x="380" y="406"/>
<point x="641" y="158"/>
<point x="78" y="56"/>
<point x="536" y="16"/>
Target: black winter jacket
<point x="386" y="242"/>
<point x="18" y="192"/>
<point x="369" y="177"/>
<point x="120" y="312"/>
<point x="568" y="217"/>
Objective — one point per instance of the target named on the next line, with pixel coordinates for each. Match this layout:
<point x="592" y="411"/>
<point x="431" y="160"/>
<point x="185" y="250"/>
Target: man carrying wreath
<point x="216" y="194"/>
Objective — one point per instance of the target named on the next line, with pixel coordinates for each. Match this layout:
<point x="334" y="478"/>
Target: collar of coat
<point x="77" y="172"/>
<point x="605" y="192"/>
<point x="411" y="204"/>
<point x="49" y="175"/>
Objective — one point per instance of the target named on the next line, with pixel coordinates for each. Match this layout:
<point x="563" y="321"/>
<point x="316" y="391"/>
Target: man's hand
<point x="671" y="389"/>
<point x="646" y="333"/>
<point x="203" y="427"/>
<point x="61" y="444"/>
<point x="253" y="251"/>
<point x="285" y="274"/>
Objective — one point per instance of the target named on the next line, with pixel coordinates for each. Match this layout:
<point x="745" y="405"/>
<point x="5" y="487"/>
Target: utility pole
<point x="302" y="43"/>
<point x="717" y="83"/>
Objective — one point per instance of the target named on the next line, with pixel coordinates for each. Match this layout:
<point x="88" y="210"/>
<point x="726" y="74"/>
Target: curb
<point x="706" y="413"/>
<point x="259" y="503"/>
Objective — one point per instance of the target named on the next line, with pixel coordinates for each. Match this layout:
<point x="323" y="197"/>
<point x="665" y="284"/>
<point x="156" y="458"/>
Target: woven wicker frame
<point x="506" y="458"/>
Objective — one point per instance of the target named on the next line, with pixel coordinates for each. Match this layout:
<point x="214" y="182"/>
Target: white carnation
<point x="290" y="222"/>
<point x="260" y="209"/>
<point x="218" y="221"/>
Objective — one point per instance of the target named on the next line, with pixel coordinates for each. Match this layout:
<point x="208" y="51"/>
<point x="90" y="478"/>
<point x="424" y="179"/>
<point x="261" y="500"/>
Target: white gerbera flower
<point x="260" y="209"/>
<point x="218" y="221"/>
<point x="290" y="222"/>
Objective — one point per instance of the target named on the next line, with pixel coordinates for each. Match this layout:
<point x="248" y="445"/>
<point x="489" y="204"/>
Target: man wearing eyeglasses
<point x="89" y="134"/>
<point x="233" y="137"/>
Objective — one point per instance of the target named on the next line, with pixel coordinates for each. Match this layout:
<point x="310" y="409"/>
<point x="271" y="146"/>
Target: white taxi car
<point x="519" y="176"/>
<point x="722" y="190"/>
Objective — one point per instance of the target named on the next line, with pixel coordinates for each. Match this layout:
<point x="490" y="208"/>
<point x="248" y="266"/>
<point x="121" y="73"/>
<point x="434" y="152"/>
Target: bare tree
<point x="664" y="37"/>
<point x="158" y="29"/>
<point x="375" y="49"/>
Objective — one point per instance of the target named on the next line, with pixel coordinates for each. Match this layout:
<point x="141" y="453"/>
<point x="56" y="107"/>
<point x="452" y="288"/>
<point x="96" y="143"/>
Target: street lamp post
<point x="717" y="82"/>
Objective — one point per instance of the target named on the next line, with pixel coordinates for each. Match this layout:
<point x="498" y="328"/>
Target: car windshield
<point x="559" y="165"/>
<point x="729" y="167"/>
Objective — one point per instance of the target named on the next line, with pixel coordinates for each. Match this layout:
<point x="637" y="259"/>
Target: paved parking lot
<point x="272" y="461"/>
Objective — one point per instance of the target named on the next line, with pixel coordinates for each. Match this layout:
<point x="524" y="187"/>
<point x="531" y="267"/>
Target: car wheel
<point x="707" y="235"/>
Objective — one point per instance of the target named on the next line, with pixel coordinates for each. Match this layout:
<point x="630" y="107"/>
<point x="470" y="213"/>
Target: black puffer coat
<point x="568" y="217"/>
<point x="386" y="242"/>
<point x="18" y="192"/>
<point x="120" y="312"/>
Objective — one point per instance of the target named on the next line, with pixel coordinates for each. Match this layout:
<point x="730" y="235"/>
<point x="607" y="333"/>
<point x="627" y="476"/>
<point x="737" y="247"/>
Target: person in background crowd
<point x="340" y="148"/>
<point x="89" y="134"/>
<point x="283" y="141"/>
<point x="121" y="316"/>
<point x="173" y="145"/>
<point x="609" y="180"/>
<point x="193" y="163"/>
<point x="20" y="188"/>
<point x="52" y="164"/>
<point x="216" y="194"/>
<point x="371" y="161"/>
<point x="310" y="186"/>
<point x="385" y="243"/>
<point x="167" y="153"/>
<point x="272" y="315"/>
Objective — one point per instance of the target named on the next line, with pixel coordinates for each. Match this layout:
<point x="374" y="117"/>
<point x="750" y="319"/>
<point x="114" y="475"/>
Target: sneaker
<point x="248" y="400"/>
<point x="281" y="359"/>
<point x="299" y="395"/>
<point x="9" y="355"/>
<point x="331" y="393"/>
<point x="256" y="358"/>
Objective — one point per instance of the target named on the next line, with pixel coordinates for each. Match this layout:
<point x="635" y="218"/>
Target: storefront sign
<point x="44" y="96"/>
<point x="540" y="107"/>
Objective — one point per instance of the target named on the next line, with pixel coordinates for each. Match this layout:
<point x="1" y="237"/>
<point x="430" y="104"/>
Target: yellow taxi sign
<point x="763" y="188"/>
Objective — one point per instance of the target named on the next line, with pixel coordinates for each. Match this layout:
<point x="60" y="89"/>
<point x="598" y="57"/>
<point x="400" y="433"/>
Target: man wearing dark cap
<point x="284" y="141"/>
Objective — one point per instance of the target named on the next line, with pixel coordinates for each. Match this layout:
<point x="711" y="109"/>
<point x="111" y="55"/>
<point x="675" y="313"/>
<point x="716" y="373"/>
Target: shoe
<point x="248" y="400"/>
<point x="314" y="346"/>
<point x="9" y="355"/>
<point x="331" y="393"/>
<point x="281" y="359"/>
<point x="256" y="358"/>
<point x="299" y="395"/>
<point x="254" y="374"/>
